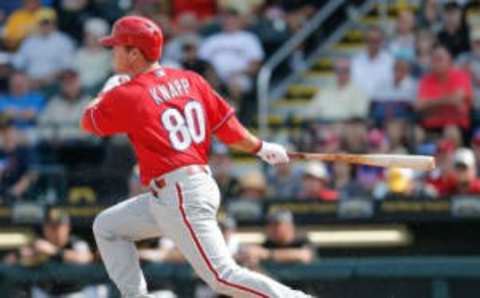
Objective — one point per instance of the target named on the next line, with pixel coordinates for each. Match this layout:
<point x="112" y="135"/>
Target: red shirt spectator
<point x="315" y="180"/>
<point x="203" y="9"/>
<point x="445" y="94"/>
<point x="462" y="179"/>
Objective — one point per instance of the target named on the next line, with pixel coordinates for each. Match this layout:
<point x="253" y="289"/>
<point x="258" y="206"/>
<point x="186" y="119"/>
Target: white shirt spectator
<point x="339" y="103"/>
<point x="41" y="56"/>
<point x="405" y="90"/>
<point x="60" y="118"/>
<point x="93" y="66"/>
<point x="369" y="73"/>
<point x="230" y="53"/>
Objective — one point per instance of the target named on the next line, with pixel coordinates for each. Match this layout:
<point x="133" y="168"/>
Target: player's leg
<point x="115" y="231"/>
<point x="191" y="218"/>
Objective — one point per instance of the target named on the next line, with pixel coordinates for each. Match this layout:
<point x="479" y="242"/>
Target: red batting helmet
<point x="136" y="32"/>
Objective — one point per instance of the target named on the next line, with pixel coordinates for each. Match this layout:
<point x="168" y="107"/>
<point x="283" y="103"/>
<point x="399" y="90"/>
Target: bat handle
<point x="296" y="155"/>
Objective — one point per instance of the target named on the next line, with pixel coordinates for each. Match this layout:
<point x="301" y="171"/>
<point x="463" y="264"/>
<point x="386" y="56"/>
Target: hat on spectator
<point x="316" y="169"/>
<point x="464" y="156"/>
<point x="57" y="216"/>
<point x="96" y="26"/>
<point x="280" y="215"/>
<point x="45" y="14"/>
<point x="399" y="179"/>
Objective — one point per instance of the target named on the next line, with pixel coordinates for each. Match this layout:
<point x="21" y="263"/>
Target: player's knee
<point x="224" y="277"/>
<point x="100" y="225"/>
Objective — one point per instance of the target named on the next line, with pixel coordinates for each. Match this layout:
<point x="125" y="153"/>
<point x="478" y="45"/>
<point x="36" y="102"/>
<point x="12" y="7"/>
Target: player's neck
<point x="143" y="69"/>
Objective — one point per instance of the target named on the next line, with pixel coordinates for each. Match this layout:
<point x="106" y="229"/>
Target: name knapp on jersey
<point x="165" y="92"/>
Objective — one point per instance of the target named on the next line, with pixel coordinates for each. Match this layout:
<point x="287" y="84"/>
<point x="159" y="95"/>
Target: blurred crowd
<point x="412" y="89"/>
<point x="51" y="65"/>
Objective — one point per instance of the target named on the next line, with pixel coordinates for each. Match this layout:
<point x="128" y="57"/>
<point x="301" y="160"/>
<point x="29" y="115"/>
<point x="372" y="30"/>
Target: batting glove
<point x="114" y="81"/>
<point x="273" y="153"/>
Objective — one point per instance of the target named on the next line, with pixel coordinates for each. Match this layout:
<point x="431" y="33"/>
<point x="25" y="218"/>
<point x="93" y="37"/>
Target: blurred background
<point x="362" y="76"/>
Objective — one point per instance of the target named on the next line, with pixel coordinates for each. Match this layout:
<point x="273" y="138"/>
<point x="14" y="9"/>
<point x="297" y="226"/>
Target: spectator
<point x="354" y="134"/>
<point x="475" y="144"/>
<point x="5" y="72"/>
<point x="253" y="188"/>
<point x="203" y="9"/>
<point x="46" y="53"/>
<point x="92" y="61"/>
<point x="471" y="63"/>
<point x="401" y="184"/>
<point x="59" y="121"/>
<point x="221" y="164"/>
<point x="315" y="183"/>
<point x="429" y="16"/>
<point x="454" y="35"/>
<point x="284" y="181"/>
<point x="234" y="53"/>
<point x="373" y="66"/>
<point x="186" y="29"/>
<point x="401" y="87"/>
<point x="16" y="161"/>
<point x="58" y="244"/>
<point x="443" y="165"/>
<point x="463" y="178"/>
<point x="377" y="142"/>
<point x="445" y="94"/>
<point x="424" y="43"/>
<point x="282" y="245"/>
<point x="344" y="182"/>
<point x="21" y="104"/>
<point x="191" y="61"/>
<point x="341" y="102"/>
<point x="397" y="135"/>
<point x="404" y="41"/>
<point x="21" y="23"/>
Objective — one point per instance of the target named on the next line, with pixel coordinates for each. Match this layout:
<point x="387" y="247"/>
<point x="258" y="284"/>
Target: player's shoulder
<point x="124" y="91"/>
<point x="171" y="71"/>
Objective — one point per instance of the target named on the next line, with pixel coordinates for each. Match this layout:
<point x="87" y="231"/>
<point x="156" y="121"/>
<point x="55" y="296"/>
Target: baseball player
<point x="170" y="117"/>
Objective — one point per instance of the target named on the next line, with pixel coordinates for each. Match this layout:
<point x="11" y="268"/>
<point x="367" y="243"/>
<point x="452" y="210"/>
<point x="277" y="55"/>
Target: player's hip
<point x="188" y="186"/>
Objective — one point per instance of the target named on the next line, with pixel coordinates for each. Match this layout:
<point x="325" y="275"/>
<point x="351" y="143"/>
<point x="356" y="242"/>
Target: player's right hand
<point x="273" y="153"/>
<point x="114" y="81"/>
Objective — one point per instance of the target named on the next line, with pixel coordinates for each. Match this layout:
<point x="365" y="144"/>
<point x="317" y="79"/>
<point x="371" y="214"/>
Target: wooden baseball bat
<point x="417" y="162"/>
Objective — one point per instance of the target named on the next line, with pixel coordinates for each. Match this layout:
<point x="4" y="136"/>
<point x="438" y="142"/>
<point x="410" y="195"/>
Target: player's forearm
<point x="250" y="144"/>
<point x="237" y="137"/>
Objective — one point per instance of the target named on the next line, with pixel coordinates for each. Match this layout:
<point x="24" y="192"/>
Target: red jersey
<point x="169" y="116"/>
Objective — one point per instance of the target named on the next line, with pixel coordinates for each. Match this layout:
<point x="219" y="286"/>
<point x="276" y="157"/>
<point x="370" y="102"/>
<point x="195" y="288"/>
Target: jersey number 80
<point x="183" y="129"/>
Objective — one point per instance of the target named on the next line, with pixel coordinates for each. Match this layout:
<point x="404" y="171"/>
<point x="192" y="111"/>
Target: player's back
<point x="169" y="116"/>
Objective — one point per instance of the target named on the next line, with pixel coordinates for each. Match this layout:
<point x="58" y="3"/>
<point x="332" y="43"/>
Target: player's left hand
<point x="273" y="153"/>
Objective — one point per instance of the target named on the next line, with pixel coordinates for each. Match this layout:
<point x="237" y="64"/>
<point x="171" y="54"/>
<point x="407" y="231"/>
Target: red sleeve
<point x="112" y="114"/>
<point x="467" y="85"/>
<point x="423" y="92"/>
<point x="217" y="109"/>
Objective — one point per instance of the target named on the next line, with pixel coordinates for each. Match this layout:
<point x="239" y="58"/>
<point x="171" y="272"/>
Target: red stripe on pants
<point x="202" y="251"/>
